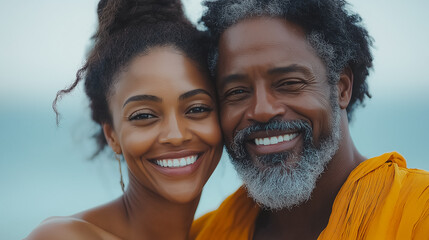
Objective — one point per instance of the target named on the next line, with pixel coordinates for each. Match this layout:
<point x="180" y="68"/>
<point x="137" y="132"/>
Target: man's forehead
<point x="263" y="43"/>
<point x="259" y="30"/>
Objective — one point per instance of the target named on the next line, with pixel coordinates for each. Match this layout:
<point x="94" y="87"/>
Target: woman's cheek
<point x="137" y="142"/>
<point x="209" y="131"/>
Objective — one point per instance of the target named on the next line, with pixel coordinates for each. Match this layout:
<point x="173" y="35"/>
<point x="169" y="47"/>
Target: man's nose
<point x="174" y="131"/>
<point x="265" y="106"/>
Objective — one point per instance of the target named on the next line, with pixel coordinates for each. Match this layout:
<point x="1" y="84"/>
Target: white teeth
<point x="177" y="162"/>
<point x="266" y="141"/>
<point x="182" y="162"/>
<point x="275" y="140"/>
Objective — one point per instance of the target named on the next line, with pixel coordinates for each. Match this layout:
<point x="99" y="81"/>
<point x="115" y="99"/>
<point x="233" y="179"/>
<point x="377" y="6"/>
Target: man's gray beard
<point x="285" y="179"/>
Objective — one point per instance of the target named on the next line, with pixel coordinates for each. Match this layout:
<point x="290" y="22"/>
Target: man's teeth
<point x="275" y="140"/>
<point x="177" y="162"/>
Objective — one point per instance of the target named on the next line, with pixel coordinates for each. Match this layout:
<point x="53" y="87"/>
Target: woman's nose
<point x="174" y="131"/>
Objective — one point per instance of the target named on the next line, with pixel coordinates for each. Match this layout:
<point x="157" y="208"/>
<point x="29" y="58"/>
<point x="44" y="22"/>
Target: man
<point x="289" y="75"/>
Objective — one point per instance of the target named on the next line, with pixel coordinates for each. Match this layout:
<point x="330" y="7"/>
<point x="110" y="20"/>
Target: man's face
<point x="279" y="116"/>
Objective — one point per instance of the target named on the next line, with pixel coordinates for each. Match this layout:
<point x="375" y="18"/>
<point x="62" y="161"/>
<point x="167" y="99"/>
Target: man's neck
<point x="308" y="220"/>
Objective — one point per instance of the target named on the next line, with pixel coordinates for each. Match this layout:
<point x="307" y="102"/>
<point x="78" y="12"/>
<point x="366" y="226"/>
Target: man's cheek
<point x="227" y="136"/>
<point x="225" y="121"/>
<point x="231" y="116"/>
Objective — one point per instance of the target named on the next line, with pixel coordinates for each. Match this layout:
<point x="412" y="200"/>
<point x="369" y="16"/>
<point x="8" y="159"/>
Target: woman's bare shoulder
<point x="66" y="228"/>
<point x="92" y="224"/>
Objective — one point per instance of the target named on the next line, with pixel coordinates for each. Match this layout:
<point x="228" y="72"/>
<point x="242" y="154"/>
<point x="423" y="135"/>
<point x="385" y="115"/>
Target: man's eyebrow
<point x="232" y="78"/>
<point x="193" y="93"/>
<point x="290" y="69"/>
<point x="142" y="98"/>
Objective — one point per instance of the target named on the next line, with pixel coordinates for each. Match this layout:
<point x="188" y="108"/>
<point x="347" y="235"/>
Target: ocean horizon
<point x="47" y="171"/>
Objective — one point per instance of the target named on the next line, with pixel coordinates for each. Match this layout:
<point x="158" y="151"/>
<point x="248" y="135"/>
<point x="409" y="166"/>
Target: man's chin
<point x="286" y="179"/>
<point x="286" y="160"/>
<point x="276" y="188"/>
<point x="281" y="180"/>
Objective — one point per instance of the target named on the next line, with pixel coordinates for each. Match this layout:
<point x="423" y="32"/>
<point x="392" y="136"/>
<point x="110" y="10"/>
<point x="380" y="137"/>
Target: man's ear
<point x="112" y="138"/>
<point x="345" y="87"/>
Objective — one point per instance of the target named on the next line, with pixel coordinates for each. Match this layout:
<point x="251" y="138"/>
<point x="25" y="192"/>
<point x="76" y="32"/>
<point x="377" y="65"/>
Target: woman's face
<point x="165" y="124"/>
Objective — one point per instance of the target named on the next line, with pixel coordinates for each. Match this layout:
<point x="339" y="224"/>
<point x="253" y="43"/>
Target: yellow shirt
<point x="381" y="199"/>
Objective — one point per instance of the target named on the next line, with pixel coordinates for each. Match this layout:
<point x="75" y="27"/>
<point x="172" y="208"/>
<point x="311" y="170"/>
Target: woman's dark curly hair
<point x="335" y="33"/>
<point x="126" y="29"/>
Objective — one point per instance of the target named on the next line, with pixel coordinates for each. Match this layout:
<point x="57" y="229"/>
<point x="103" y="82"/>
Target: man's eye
<point x="291" y="84"/>
<point x="235" y="94"/>
<point x="141" y="116"/>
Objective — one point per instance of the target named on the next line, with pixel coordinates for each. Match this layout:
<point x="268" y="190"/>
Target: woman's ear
<point x="345" y="87"/>
<point x="112" y="138"/>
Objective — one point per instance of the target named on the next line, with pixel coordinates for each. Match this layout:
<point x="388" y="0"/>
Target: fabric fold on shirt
<point x="381" y="199"/>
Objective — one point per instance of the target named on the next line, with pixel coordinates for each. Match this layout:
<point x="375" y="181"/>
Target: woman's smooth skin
<point x="163" y="110"/>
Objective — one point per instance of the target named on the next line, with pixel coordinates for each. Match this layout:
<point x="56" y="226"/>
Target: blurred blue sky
<point x="45" y="171"/>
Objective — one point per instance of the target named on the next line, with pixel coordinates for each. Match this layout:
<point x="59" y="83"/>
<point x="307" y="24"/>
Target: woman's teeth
<point x="177" y="162"/>
<point x="275" y="140"/>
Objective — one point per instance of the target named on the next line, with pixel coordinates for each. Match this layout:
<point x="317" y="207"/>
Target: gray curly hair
<point x="336" y="34"/>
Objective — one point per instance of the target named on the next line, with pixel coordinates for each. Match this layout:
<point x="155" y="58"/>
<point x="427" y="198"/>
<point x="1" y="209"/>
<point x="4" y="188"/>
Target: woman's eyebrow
<point x="142" y="98"/>
<point x="193" y="93"/>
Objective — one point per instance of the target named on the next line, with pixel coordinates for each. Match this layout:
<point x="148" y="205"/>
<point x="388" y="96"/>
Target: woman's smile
<point x="165" y="123"/>
<point x="177" y="162"/>
<point x="180" y="166"/>
<point x="150" y="93"/>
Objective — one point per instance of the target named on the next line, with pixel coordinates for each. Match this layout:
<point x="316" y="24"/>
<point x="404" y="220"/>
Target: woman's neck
<point x="150" y="216"/>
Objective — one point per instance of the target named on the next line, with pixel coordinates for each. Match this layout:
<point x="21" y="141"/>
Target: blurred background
<point x="45" y="170"/>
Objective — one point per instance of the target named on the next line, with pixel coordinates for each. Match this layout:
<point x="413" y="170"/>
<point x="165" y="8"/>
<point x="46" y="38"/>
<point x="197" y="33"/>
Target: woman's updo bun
<point x="126" y="29"/>
<point x="114" y="15"/>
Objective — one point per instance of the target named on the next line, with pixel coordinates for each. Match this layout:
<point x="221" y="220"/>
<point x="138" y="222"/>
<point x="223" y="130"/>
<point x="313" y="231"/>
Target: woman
<point x="150" y="93"/>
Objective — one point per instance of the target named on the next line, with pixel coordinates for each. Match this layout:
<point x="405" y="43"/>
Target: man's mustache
<point x="274" y="125"/>
<point x="238" y="145"/>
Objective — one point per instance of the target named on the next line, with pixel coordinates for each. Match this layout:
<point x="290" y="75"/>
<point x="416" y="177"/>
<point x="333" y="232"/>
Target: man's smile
<point x="275" y="139"/>
<point x="262" y="143"/>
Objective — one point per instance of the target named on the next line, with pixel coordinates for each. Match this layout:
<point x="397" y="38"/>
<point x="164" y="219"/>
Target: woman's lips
<point x="176" y="162"/>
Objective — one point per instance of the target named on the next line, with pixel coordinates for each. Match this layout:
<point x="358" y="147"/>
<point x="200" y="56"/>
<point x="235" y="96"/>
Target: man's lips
<point x="271" y="136"/>
<point x="275" y="139"/>
<point x="273" y="142"/>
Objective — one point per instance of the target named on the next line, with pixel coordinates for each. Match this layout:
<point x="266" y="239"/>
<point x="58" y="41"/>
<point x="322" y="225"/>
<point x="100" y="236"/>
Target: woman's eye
<point x="198" y="109"/>
<point x="141" y="116"/>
